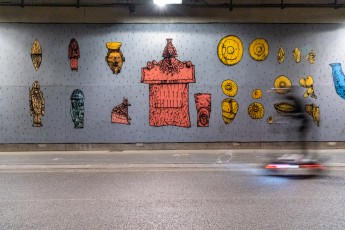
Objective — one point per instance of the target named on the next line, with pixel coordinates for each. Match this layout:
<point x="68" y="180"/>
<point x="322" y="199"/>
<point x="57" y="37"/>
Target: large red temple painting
<point x="168" y="82"/>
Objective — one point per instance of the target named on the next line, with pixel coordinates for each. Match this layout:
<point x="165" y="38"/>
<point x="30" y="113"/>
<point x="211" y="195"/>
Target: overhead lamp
<point x="164" y="2"/>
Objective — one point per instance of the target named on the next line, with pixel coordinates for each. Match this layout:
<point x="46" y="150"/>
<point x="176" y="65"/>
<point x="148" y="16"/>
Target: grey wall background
<point x="145" y="42"/>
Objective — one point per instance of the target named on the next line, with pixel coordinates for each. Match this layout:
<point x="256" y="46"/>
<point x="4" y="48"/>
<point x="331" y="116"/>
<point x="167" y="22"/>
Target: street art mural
<point x="296" y="55"/>
<point x="37" y="104"/>
<point x="308" y="82"/>
<point x="119" y="114"/>
<point x="36" y="54"/>
<point x="259" y="49"/>
<point x="73" y="54"/>
<point x="229" y="105"/>
<point x="114" y="58"/>
<point x="338" y="79"/>
<point x="169" y="90"/>
<point x="256" y="110"/>
<point x="314" y="111"/>
<point x="203" y="108"/>
<point x="230" y="50"/>
<point x="311" y="57"/>
<point x="282" y="84"/>
<point x="257" y="94"/>
<point x="77" y="108"/>
<point x="281" y="55"/>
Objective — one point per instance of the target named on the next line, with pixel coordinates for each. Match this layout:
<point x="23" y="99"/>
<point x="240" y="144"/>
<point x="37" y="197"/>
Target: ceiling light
<point x="164" y="2"/>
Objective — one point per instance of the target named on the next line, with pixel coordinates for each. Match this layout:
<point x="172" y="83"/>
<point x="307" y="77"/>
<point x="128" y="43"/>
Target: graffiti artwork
<point x="73" y="54"/>
<point x="308" y="83"/>
<point x="297" y="55"/>
<point x="230" y="50"/>
<point x="256" y="110"/>
<point x="37" y="104"/>
<point x="338" y="79"/>
<point x="284" y="108"/>
<point x="281" y="55"/>
<point x="119" y="114"/>
<point x="203" y="107"/>
<point x="314" y="111"/>
<point x="114" y="58"/>
<point x="258" y="49"/>
<point x="311" y="57"/>
<point x="169" y="89"/>
<point x="36" y="54"/>
<point x="229" y="88"/>
<point x="229" y="110"/>
<point x="282" y="84"/>
<point x="77" y="108"/>
<point x="257" y="94"/>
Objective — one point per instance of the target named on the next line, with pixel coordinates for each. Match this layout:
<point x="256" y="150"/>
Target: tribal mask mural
<point x="77" y="108"/>
<point x="169" y="88"/>
<point x="73" y="54"/>
<point x="114" y="58"/>
<point x="203" y="107"/>
<point x="37" y="104"/>
<point x="36" y="54"/>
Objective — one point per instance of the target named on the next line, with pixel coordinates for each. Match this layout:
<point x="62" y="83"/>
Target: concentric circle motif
<point x="258" y="49"/>
<point x="229" y="88"/>
<point x="282" y="84"/>
<point x="257" y="94"/>
<point x="256" y="110"/>
<point x="230" y="50"/>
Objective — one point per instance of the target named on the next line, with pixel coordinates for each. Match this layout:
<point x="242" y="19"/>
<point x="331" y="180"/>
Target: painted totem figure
<point x="77" y="108"/>
<point x="36" y="54"/>
<point x="203" y="107"/>
<point x="73" y="54"/>
<point x="114" y="58"/>
<point x="119" y="114"/>
<point x="169" y="88"/>
<point x="37" y="104"/>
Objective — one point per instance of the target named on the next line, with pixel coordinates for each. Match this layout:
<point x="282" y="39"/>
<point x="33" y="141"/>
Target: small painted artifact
<point x="36" y="54"/>
<point x="77" y="108"/>
<point x="73" y="54"/>
<point x="230" y="50"/>
<point x="258" y="49"/>
<point x="37" y="104"/>
<point x="114" y="56"/>
<point x="203" y="107"/>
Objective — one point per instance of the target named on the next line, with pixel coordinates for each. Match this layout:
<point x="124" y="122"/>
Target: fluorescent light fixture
<point x="164" y="2"/>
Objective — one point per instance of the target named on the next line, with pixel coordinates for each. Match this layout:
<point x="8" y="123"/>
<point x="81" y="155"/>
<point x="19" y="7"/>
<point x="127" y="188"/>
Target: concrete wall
<point x="145" y="42"/>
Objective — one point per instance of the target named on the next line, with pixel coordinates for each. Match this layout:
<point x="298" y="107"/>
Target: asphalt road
<point x="237" y="196"/>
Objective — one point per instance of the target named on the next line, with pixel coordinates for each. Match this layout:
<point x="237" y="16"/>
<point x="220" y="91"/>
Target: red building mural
<point x="169" y="88"/>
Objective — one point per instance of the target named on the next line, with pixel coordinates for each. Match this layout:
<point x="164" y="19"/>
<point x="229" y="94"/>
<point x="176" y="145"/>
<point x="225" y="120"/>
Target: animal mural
<point x="114" y="58"/>
<point x="119" y="114"/>
<point x="73" y="54"/>
<point x="36" y="54"/>
<point x="77" y="108"/>
<point x="37" y="104"/>
<point x="203" y="107"/>
<point x="338" y="79"/>
<point x="168" y="82"/>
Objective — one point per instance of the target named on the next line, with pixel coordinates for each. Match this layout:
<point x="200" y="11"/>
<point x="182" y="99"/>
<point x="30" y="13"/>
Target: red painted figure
<point x="73" y="54"/>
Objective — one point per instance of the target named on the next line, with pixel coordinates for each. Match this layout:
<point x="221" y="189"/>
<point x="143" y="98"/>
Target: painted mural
<point x="259" y="49"/>
<point x="297" y="55"/>
<point x="230" y="50"/>
<point x="308" y="82"/>
<point x="314" y="111"/>
<point x="311" y="57"/>
<point x="229" y="105"/>
<point x="203" y="107"/>
<point x="338" y="79"/>
<point x="73" y="54"/>
<point x="281" y="55"/>
<point x="168" y="82"/>
<point x="256" y="110"/>
<point x="114" y="58"/>
<point x="37" y="104"/>
<point x="36" y="54"/>
<point x="257" y="94"/>
<point x="119" y="114"/>
<point x="77" y="108"/>
<point x="282" y="84"/>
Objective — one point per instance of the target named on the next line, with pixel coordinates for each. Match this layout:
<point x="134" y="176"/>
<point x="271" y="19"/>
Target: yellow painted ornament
<point x="297" y="55"/>
<point x="258" y="49"/>
<point x="308" y="83"/>
<point x="311" y="57"/>
<point x="256" y="110"/>
<point x="229" y="110"/>
<point x="36" y="54"/>
<point x="230" y="50"/>
<point x="270" y="120"/>
<point x="229" y="88"/>
<point x="281" y="55"/>
<point x="257" y="94"/>
<point x="282" y="84"/>
<point x="314" y="111"/>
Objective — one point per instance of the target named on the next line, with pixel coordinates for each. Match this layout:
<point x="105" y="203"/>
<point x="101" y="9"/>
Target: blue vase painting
<point x="338" y="79"/>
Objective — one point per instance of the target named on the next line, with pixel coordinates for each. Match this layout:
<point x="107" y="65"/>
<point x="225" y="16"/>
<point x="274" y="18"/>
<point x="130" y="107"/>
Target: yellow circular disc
<point x="230" y="50"/>
<point x="258" y="49"/>
<point x="256" y="110"/>
<point x="282" y="84"/>
<point x="257" y="94"/>
<point x="229" y="88"/>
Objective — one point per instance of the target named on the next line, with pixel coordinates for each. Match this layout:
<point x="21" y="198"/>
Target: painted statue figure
<point x="114" y="56"/>
<point x="119" y="114"/>
<point x="73" y="54"/>
<point x="37" y="104"/>
<point x="77" y="108"/>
